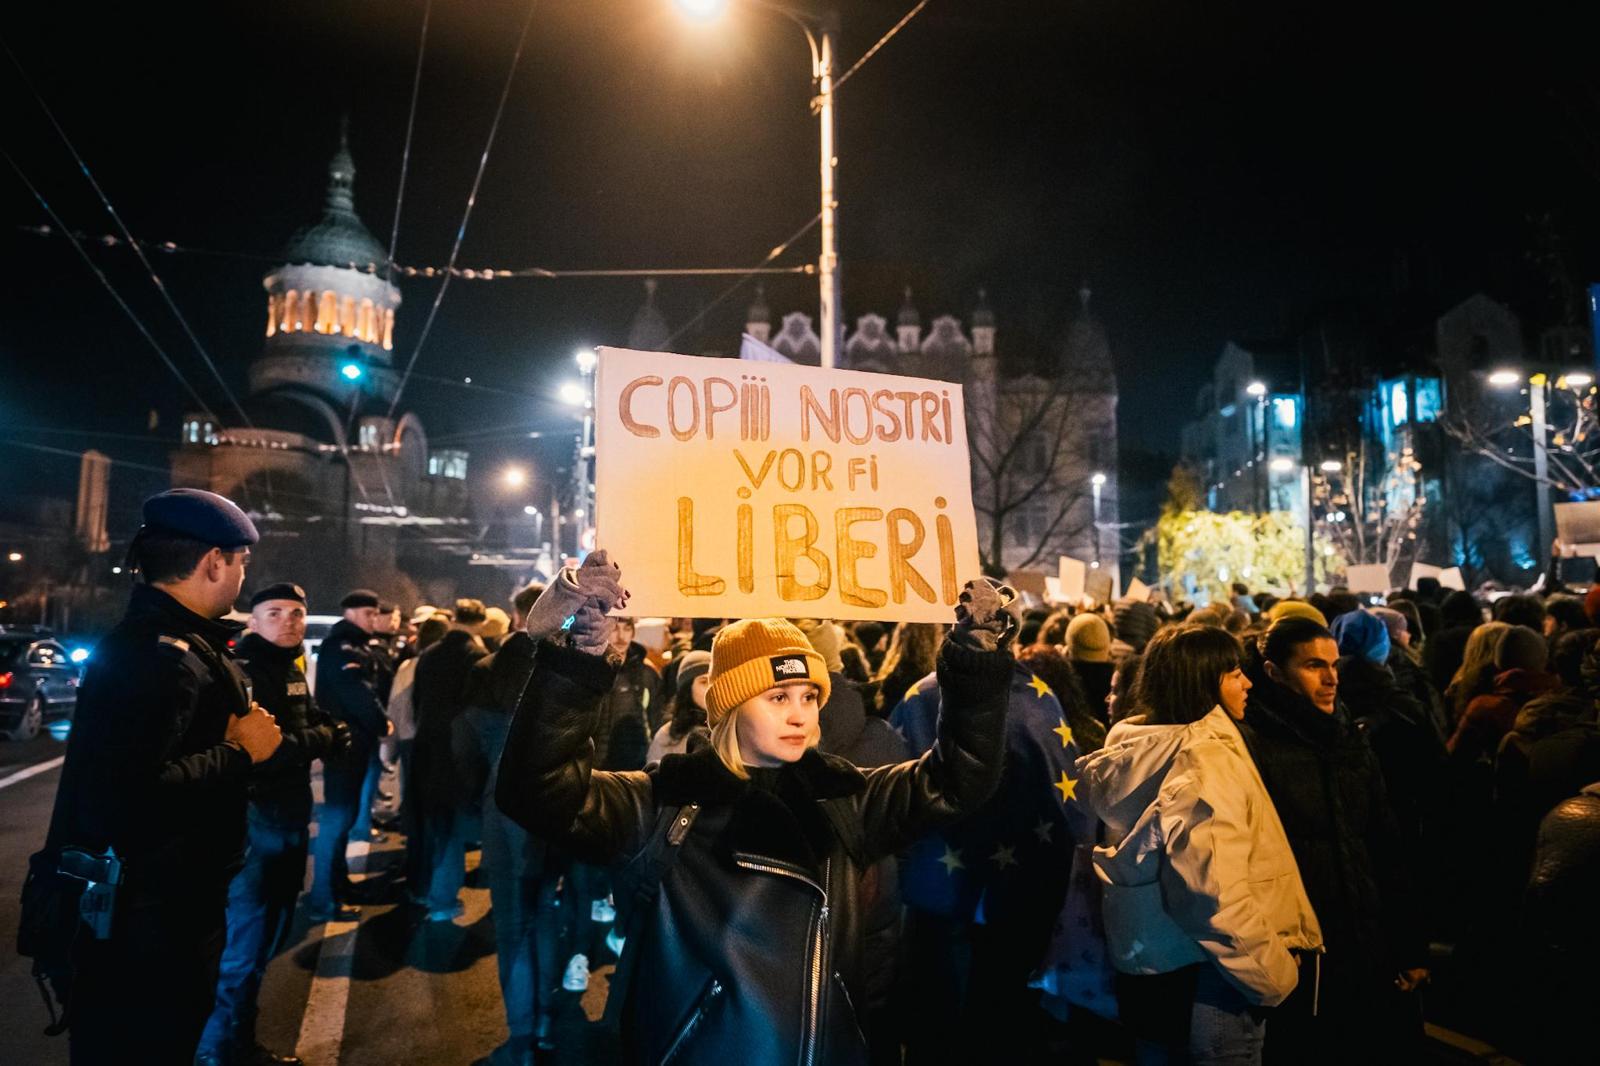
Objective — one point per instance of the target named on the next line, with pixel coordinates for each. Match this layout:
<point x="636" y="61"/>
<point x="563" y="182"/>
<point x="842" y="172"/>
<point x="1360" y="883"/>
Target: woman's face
<point x="777" y="726"/>
<point x="1234" y="687"/>
<point x="698" y="689"/>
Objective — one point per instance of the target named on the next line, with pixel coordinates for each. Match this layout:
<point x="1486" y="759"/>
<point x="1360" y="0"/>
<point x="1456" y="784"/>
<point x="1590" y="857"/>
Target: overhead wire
<point x="466" y="216"/>
<point x="110" y="288"/>
<point x="405" y="153"/>
<point x="870" y="52"/>
<point x="105" y="201"/>
<point x="746" y="276"/>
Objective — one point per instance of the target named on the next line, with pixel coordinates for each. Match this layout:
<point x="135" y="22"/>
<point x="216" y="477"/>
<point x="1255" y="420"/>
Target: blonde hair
<point x="1477" y="672"/>
<point x="725" y="738"/>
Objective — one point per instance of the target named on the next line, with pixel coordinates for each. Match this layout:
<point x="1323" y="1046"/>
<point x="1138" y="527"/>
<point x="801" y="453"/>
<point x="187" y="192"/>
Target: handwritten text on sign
<point x="732" y="489"/>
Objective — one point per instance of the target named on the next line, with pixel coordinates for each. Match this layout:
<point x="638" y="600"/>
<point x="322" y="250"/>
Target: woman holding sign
<point x="745" y="857"/>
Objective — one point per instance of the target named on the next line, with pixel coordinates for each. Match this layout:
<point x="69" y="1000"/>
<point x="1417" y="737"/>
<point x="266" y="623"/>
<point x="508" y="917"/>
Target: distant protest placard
<point x="732" y="489"/>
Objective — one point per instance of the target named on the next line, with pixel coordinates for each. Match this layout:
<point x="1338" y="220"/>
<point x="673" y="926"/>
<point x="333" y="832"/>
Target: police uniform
<point x="261" y="898"/>
<point x="150" y="774"/>
<point x="348" y="677"/>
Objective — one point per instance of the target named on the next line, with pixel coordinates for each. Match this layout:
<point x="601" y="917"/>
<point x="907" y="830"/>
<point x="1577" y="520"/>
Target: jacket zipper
<point x="818" y="942"/>
<point x="694" y="1020"/>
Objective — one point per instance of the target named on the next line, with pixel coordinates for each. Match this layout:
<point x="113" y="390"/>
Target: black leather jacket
<point x="752" y="950"/>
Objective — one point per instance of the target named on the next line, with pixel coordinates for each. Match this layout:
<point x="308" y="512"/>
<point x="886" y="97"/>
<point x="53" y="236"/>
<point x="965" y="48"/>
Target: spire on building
<point x="982" y="326"/>
<point x="649" y="332"/>
<point x="909" y="325"/>
<point x="758" y="321"/>
<point x="338" y="238"/>
<point x="1086" y="350"/>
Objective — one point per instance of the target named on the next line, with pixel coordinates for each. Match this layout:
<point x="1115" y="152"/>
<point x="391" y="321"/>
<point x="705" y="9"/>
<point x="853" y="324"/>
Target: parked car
<point x="38" y="681"/>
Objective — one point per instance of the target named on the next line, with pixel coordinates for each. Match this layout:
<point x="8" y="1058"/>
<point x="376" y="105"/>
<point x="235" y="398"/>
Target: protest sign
<point x="1073" y="576"/>
<point x="1138" y="592"/>
<point x="1452" y="579"/>
<point x="731" y="489"/>
<point x="1422" y="570"/>
<point x="1367" y="577"/>
<point x="1098" y="586"/>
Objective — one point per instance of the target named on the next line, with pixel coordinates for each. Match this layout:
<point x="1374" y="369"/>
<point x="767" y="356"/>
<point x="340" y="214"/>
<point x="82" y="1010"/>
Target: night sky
<point x="1212" y="170"/>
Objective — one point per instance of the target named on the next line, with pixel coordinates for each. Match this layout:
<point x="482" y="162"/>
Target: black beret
<point x="202" y="516"/>
<point x="359" y="598"/>
<point x="283" y="590"/>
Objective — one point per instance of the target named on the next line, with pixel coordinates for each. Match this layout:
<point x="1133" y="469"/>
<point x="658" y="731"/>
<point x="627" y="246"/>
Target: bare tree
<point x="1031" y="468"/>
<point x="1372" y="507"/>
<point x="1572" y="437"/>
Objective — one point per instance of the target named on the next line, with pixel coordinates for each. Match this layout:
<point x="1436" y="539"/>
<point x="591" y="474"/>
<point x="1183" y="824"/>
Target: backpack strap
<point x="646" y="871"/>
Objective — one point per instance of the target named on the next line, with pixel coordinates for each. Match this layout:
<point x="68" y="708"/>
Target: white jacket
<point x="1196" y="867"/>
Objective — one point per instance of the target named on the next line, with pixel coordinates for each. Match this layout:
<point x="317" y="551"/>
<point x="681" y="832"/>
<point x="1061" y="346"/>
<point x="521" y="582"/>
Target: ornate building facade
<point x="341" y="482"/>
<point x="1041" y="425"/>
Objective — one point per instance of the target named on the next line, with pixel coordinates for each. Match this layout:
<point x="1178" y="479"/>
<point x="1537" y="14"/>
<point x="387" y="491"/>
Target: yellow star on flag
<point x="1004" y="856"/>
<point x="1036" y="683"/>
<point x="952" y="861"/>
<point x="1068" y="787"/>
<point x="1064" y="731"/>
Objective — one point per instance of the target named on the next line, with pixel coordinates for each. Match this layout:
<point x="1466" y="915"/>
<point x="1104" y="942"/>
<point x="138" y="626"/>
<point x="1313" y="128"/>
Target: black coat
<point x="147" y="769"/>
<point x="1401" y="734"/>
<point x="1552" y="752"/>
<point x="622" y="733"/>
<point x="349" y="677"/>
<point x="752" y="950"/>
<point x="439" y="695"/>
<point x="280" y="788"/>
<point x="1328" y="788"/>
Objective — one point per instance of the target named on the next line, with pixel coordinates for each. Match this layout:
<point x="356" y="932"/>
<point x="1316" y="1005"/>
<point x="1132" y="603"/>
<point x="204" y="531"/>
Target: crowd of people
<point x="1257" y="830"/>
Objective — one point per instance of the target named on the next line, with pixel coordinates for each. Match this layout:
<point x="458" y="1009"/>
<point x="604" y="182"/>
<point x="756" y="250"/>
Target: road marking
<point x="32" y="771"/>
<point x="322" y="1025"/>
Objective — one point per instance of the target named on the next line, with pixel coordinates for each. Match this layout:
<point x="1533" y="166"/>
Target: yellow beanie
<point x="750" y="656"/>
<point x="1296" y="609"/>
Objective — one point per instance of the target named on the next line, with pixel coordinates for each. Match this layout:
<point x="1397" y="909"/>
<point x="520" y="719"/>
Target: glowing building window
<point x="291" y="311"/>
<point x="1285" y="411"/>
<point x="1399" y="404"/>
<point x="448" y="463"/>
<point x="368" y="437"/>
<point x="327" y="313"/>
<point x="347" y="316"/>
<point x="1428" y="400"/>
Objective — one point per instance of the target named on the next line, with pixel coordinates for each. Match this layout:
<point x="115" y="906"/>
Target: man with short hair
<point x="437" y="695"/>
<point x="348" y="680"/>
<point x="163" y="740"/>
<point x="262" y="896"/>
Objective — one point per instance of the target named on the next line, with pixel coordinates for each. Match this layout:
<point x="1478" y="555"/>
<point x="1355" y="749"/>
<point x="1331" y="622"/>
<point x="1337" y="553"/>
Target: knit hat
<point x="1089" y="639"/>
<point x="752" y="655"/>
<point x="1137" y="622"/>
<point x="1296" y="609"/>
<point x="1362" y="634"/>
<point x="824" y="637"/>
<point x="691" y="665"/>
<point x="1522" y="649"/>
<point x="1395" y="622"/>
<point x="496" y="623"/>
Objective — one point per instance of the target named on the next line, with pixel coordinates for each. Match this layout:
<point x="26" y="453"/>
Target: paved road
<point x="389" y="990"/>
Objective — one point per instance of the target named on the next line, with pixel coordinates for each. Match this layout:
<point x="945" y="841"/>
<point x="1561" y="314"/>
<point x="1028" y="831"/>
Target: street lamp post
<point x="820" y="34"/>
<point x="1538" y="417"/>
<point x="1258" y="446"/>
<point x="1096" y="484"/>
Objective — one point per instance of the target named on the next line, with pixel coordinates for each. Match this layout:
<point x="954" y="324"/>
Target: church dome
<point x="338" y="238"/>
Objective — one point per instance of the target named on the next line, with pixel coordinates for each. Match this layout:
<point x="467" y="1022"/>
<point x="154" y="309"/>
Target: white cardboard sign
<point x="731" y="489"/>
<point x="1367" y="577"/>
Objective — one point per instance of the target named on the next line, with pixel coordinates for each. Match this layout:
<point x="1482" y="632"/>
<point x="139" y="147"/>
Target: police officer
<point x="163" y="742"/>
<point x="262" y="896"/>
<point x="348" y="679"/>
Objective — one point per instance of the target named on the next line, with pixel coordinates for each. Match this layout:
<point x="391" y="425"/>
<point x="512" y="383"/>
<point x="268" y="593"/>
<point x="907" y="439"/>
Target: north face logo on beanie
<point x="787" y="667"/>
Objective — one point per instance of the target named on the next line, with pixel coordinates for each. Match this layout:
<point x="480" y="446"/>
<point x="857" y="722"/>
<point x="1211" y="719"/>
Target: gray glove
<point x="597" y="580"/>
<point x="983" y="619"/>
<point x="601" y="581"/>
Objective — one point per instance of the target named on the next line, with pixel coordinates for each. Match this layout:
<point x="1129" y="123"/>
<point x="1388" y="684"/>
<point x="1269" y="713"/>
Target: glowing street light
<point x="1580" y="379"/>
<point x="530" y="510"/>
<point x="1331" y="466"/>
<point x="1504" y="379"/>
<point x="820" y="34"/>
<point x="351" y="371"/>
<point x="15" y="557"/>
<point x="1098" y="479"/>
<point x="1257" y="389"/>
<point x="586" y="360"/>
<point x="573" y="394"/>
<point x="1282" y="465"/>
<point x="703" y="10"/>
<point x="514" y="477"/>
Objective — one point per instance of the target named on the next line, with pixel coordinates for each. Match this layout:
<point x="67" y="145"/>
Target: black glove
<point x="339" y="739"/>
<point x="983" y="619"/>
